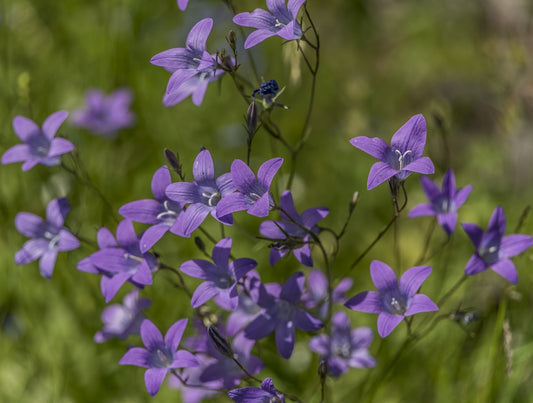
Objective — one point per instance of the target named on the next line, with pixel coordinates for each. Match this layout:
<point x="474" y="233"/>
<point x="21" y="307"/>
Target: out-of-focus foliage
<point x="467" y="66"/>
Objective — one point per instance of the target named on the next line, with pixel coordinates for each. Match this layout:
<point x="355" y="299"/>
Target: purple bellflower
<point x="393" y="301"/>
<point x="317" y="295"/>
<point x="121" y="320"/>
<point x="280" y="21"/>
<point x="105" y="115"/>
<point x="162" y="213"/>
<point x="192" y="67"/>
<point x="282" y="315"/>
<point x="253" y="194"/>
<point x="345" y="347"/>
<point x="47" y="237"/>
<point x="251" y="394"/>
<point x="402" y="157"/>
<point x="182" y="4"/>
<point x="204" y="195"/>
<point x="493" y="249"/>
<point x="443" y="204"/>
<point x="160" y="355"/>
<point x="120" y="261"/>
<point x="220" y="277"/>
<point x="292" y="232"/>
<point x="40" y="146"/>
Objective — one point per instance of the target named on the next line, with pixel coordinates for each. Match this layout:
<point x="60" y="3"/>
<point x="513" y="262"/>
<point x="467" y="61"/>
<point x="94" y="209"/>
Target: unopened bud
<point x="173" y="160"/>
<point x="251" y="118"/>
<point x="353" y="202"/>
<point x="322" y="369"/>
<point x="232" y="39"/>
<point x="219" y="341"/>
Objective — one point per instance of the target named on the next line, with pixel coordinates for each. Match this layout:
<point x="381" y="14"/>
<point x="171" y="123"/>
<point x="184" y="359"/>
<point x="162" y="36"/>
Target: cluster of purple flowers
<point x="241" y="309"/>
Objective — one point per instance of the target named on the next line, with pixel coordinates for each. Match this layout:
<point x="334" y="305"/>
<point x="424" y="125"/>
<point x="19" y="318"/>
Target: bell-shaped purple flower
<point x="160" y="355"/>
<point x="162" y="213"/>
<point x="220" y="277"/>
<point x="121" y="320"/>
<point x="443" y="204"/>
<point x="282" y="315"/>
<point x="40" y="146"/>
<point x="292" y="232"/>
<point x="402" y="157"/>
<point x="203" y="195"/>
<point x="105" y="115"/>
<point x="393" y="301"/>
<point x="345" y="347"/>
<point x="120" y="261"/>
<point x="266" y="393"/>
<point x="253" y="193"/>
<point x="280" y="21"/>
<point x="192" y="67"/>
<point x="47" y="237"/>
<point x="495" y="250"/>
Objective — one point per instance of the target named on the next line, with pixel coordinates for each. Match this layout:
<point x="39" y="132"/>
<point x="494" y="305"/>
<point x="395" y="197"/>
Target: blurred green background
<point x="467" y="65"/>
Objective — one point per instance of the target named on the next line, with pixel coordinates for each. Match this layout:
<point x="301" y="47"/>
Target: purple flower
<point x="247" y="309"/>
<point x="120" y="262"/>
<point x="192" y="67"/>
<point x="105" y="115"/>
<point x="443" y="204"/>
<point x="280" y="21"/>
<point x="345" y="347"/>
<point x="267" y="393"/>
<point x="220" y="278"/>
<point x="40" y="146"/>
<point x="191" y="376"/>
<point x="162" y="213"/>
<point x="47" y="237"/>
<point x="493" y="249"/>
<point x="282" y="315"/>
<point x="292" y="232"/>
<point x="253" y="194"/>
<point x="317" y="292"/>
<point x="121" y="320"/>
<point x="393" y="301"/>
<point x="182" y="4"/>
<point x="402" y="157"/>
<point x="203" y="194"/>
<point x="160" y="355"/>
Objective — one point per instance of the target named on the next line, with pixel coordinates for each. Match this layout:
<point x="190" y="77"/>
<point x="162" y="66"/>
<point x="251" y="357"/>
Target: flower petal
<point x="232" y="203"/>
<point x="30" y="225"/>
<point x="56" y="211"/>
<point x="368" y="301"/>
<point x="424" y="209"/>
<point x="151" y="236"/>
<point x="513" y="245"/>
<point x="261" y="207"/>
<point x="285" y="336"/>
<point x="59" y="146"/>
<point x="257" y="37"/>
<point x="153" y="379"/>
<point x="383" y="276"/>
<point x="190" y="219"/>
<point x="160" y="181"/>
<point x="174" y="334"/>
<point x="47" y="263"/>
<point x="17" y="153"/>
<point x="144" y="211"/>
<point x="379" y="173"/>
<point x="135" y="356"/>
<point x="448" y="222"/>
<point x="307" y="322"/>
<point x="431" y="190"/>
<point x="25" y="128"/>
<point x="506" y="269"/>
<point x="422" y="165"/>
<point x="52" y="123"/>
<point x="387" y="323"/>
<point x="267" y="170"/>
<point x="31" y="251"/>
<point x="413" y="278"/>
<point x="475" y="265"/>
<point x="150" y="335"/>
<point x="199" y="33"/>
<point x="474" y="232"/>
<point x="461" y="196"/>
<point x="203" y="168"/>
<point x="421" y="303"/>
<point x="293" y="288"/>
<point x="411" y="136"/>
<point x="203" y="293"/>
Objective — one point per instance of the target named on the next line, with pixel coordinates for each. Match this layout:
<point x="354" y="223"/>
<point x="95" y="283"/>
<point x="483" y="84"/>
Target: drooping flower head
<point x="220" y="277"/>
<point x="282" y="315"/>
<point x="267" y="393"/>
<point x="162" y="213"/>
<point x="192" y="67"/>
<point x="105" y="114"/>
<point x="393" y="301"/>
<point x="443" y="204"/>
<point x="402" y="157"/>
<point x="292" y="232"/>
<point x="280" y="21"/>
<point x="39" y="145"/>
<point x="160" y="355"/>
<point x="120" y="261"/>
<point x="121" y="320"/>
<point x="47" y="237"/>
<point x="345" y="347"/>
<point x="493" y="249"/>
<point x="204" y="195"/>
<point x="253" y="193"/>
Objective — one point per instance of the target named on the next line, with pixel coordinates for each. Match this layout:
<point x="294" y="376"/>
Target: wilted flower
<point x="393" y="301"/>
<point x="160" y="355"/>
<point x="402" y="157"/>
<point x="40" y="146"/>
<point x="47" y="237"/>
<point x="493" y="249"/>
<point x="280" y="21"/>
<point x="105" y="115"/>
<point x="443" y="204"/>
